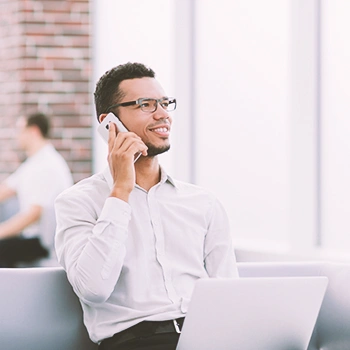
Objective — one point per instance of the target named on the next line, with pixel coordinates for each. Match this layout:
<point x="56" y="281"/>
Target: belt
<point x="144" y="329"/>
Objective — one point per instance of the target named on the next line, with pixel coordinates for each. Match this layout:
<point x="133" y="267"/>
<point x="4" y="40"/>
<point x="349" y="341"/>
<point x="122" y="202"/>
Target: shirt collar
<point x="164" y="177"/>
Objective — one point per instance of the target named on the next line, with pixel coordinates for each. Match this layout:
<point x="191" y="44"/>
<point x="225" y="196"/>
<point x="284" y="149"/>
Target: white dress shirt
<point x="38" y="181"/>
<point x="136" y="261"/>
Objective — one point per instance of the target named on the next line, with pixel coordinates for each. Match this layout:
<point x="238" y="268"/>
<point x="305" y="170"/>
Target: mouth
<point x="161" y="130"/>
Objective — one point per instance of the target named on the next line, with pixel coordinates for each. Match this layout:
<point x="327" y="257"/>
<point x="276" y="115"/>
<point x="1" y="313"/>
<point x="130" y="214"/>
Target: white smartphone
<point x="103" y="128"/>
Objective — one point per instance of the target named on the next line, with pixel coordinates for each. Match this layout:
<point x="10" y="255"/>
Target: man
<point x="29" y="234"/>
<point x="133" y="240"/>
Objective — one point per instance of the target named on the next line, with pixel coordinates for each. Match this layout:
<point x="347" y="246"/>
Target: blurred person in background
<point x="28" y="235"/>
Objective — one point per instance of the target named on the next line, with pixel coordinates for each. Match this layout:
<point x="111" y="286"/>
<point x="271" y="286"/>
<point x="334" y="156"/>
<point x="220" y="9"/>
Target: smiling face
<point x="153" y="128"/>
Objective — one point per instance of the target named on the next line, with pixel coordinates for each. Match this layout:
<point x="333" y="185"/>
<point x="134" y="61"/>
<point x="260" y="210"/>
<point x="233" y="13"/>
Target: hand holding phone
<point x="103" y="128"/>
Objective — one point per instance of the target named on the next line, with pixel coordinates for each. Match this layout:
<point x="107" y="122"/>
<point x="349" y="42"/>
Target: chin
<point x="154" y="151"/>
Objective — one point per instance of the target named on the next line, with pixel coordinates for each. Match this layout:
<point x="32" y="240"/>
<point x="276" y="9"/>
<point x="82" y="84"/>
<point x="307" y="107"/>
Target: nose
<point x="160" y="113"/>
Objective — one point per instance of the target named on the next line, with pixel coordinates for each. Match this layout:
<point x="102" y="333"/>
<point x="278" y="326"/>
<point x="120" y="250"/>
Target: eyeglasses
<point x="149" y="105"/>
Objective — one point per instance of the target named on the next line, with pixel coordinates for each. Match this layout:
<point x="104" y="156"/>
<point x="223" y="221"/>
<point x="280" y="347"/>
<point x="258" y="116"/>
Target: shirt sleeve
<point x="41" y="189"/>
<point x="12" y="180"/>
<point x="91" y="248"/>
<point x="35" y="185"/>
<point x="219" y="256"/>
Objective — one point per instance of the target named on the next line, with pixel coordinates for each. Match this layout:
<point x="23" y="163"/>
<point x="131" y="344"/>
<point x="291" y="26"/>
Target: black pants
<point x="146" y="335"/>
<point x="164" y="341"/>
<point x="20" y="250"/>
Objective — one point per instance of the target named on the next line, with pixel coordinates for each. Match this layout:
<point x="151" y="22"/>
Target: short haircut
<point x="41" y="121"/>
<point x="107" y="91"/>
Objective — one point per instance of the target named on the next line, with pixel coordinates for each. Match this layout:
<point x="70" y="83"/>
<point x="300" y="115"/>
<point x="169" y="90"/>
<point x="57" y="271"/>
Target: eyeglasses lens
<point x="150" y="105"/>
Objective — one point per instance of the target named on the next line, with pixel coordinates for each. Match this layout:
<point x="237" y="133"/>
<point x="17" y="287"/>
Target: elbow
<point x="90" y="297"/>
<point x="96" y="293"/>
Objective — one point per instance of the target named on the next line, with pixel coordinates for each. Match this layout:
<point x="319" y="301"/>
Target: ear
<point x="101" y="117"/>
<point x="34" y="129"/>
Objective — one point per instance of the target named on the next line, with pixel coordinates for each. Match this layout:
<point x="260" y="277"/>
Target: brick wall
<point x="45" y="65"/>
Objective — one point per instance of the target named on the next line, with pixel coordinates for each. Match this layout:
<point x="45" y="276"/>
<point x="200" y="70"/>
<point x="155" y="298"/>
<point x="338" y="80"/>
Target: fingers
<point x="125" y="144"/>
<point x="130" y="147"/>
<point x="112" y="135"/>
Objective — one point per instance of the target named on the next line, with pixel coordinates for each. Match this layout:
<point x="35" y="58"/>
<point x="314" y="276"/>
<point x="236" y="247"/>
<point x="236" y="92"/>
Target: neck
<point x="147" y="172"/>
<point x="35" y="146"/>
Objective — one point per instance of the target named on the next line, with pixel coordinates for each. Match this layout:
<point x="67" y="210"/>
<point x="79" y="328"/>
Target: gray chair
<point x="39" y="311"/>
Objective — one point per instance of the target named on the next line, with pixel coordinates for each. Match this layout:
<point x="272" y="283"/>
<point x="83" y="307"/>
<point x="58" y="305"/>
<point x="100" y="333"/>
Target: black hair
<point x="107" y="90"/>
<point x="41" y="121"/>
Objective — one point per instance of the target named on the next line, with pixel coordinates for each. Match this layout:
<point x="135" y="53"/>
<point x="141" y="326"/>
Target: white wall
<point x="242" y="113"/>
<point x="263" y="104"/>
<point x="335" y="63"/>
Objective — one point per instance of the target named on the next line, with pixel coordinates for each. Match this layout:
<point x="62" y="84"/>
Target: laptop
<point x="277" y="313"/>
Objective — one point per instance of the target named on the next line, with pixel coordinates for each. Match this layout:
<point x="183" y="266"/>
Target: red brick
<point x="45" y="64"/>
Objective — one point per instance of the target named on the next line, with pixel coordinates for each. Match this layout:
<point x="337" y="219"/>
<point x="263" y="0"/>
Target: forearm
<point x="120" y="194"/>
<point x="17" y="223"/>
<point x="91" y="249"/>
<point x="6" y="192"/>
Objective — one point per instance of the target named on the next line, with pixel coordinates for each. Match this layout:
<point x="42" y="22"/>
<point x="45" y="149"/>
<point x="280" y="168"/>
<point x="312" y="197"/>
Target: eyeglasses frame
<point x="140" y="100"/>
